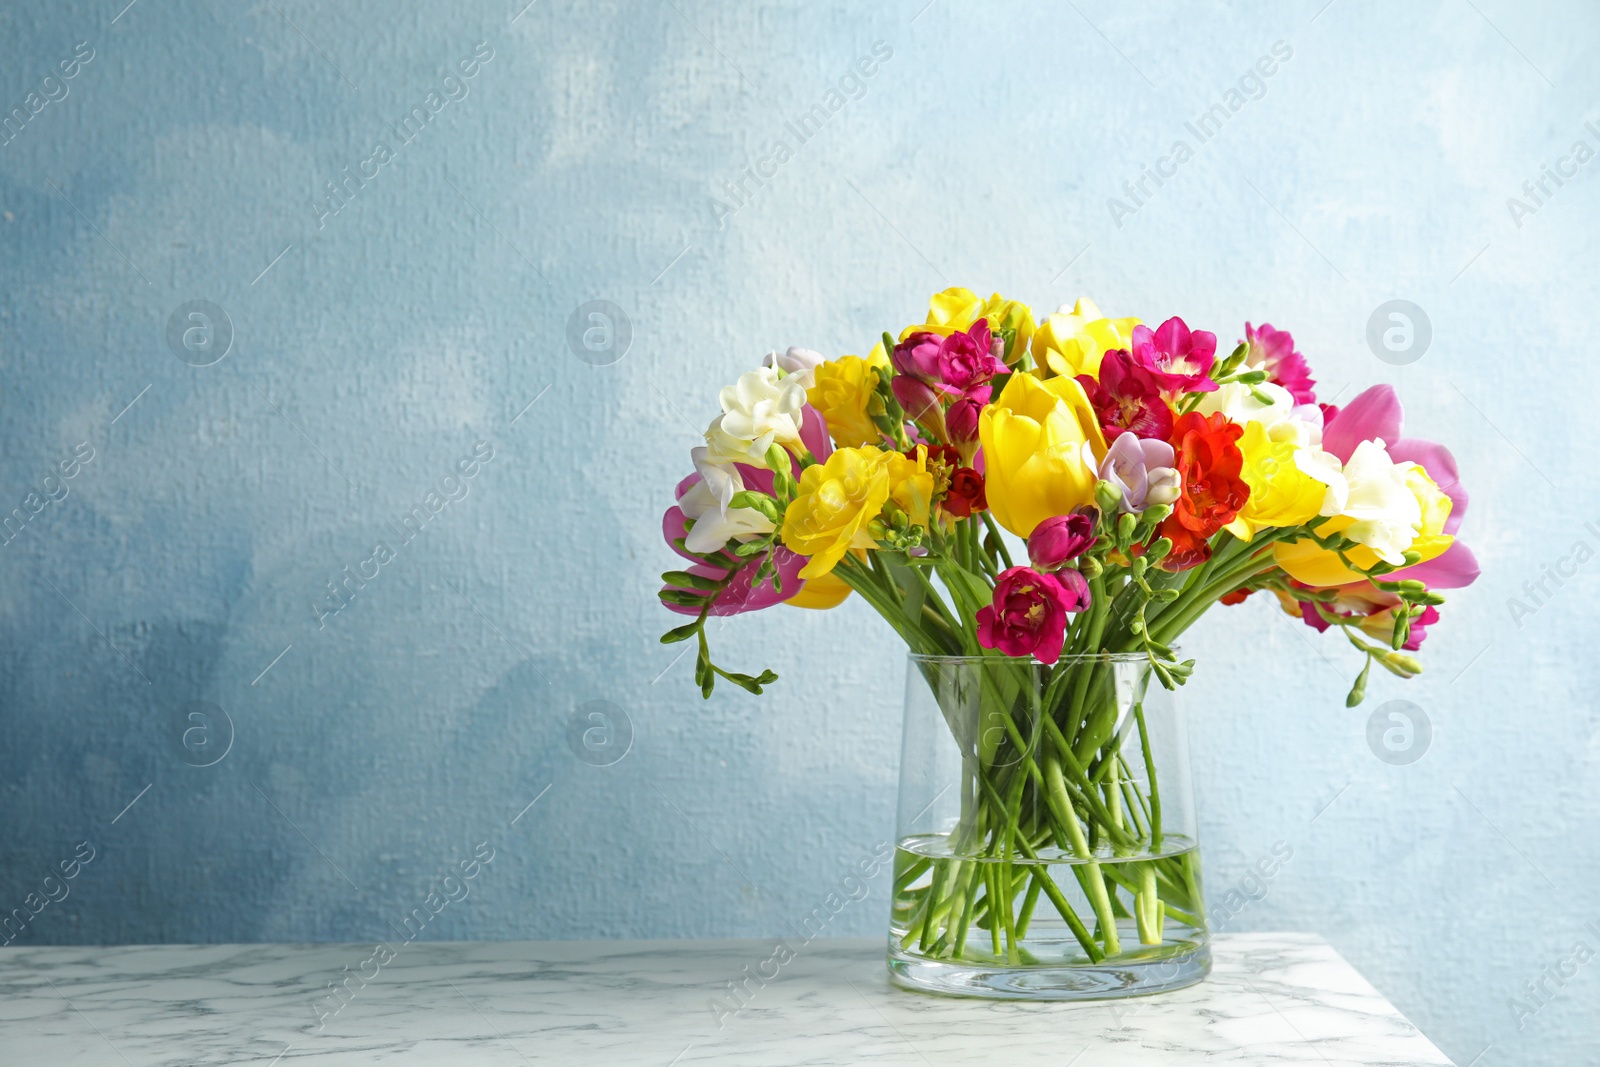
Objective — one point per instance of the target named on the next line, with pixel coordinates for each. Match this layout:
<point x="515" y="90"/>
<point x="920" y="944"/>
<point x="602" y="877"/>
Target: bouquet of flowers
<point x="1051" y="495"/>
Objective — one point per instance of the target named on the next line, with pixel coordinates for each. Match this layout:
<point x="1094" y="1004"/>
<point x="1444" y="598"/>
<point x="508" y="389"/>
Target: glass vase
<point x="1046" y="837"/>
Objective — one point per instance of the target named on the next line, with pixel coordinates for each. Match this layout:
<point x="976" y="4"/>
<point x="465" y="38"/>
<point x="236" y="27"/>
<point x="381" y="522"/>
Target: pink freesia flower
<point x="967" y="360"/>
<point x="1028" y="616"/>
<point x="1273" y="351"/>
<point x="1179" y="359"/>
<point x="1063" y="538"/>
<point x="1127" y="399"/>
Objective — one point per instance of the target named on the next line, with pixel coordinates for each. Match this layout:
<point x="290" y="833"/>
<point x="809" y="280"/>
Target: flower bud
<point x="918" y="356"/>
<point x="1156" y="514"/>
<point x="1077" y="591"/>
<point x="1165" y="485"/>
<point x="1125" y="526"/>
<point x="1107" y="496"/>
<point x="961" y="421"/>
<point x="916" y="396"/>
<point x="1057" y="540"/>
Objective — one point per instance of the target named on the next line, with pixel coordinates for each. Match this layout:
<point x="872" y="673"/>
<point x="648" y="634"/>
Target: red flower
<point x="1209" y="461"/>
<point x="962" y="486"/>
<point x="1235" y="597"/>
<point x="945" y="456"/>
<point x="1127" y="399"/>
<point x="966" y="493"/>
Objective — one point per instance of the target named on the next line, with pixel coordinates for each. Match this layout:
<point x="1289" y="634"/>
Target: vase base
<point x="1100" y="981"/>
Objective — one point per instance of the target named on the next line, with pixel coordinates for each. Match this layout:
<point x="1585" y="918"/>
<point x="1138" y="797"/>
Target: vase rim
<point x="1088" y="657"/>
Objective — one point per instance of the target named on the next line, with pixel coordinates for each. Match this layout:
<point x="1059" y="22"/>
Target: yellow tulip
<point x="1033" y="447"/>
<point x="954" y="310"/>
<point x="844" y="392"/>
<point x="836" y="504"/>
<point x="1281" y="494"/>
<point x="1305" y="561"/>
<point x="1073" y="343"/>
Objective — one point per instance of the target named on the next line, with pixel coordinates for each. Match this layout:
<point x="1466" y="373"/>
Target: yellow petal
<point x="827" y="591"/>
<point x="955" y="307"/>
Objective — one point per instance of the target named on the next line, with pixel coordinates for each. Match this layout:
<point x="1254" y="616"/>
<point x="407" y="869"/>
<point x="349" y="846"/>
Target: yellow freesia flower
<point x="956" y="309"/>
<point x="1072" y="343"/>
<point x="835" y="506"/>
<point x="911" y="485"/>
<point x="1033" y="446"/>
<point x="844" y="392"/>
<point x="1281" y="494"/>
<point x="1305" y="561"/>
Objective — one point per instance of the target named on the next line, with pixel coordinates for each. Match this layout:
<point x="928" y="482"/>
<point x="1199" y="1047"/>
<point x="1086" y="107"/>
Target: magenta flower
<point x="1273" y="351"/>
<point x="1063" y="538"/>
<point x="1028" y="616"/>
<point x="1179" y="360"/>
<point x="966" y="359"/>
<point x="1127" y="399"/>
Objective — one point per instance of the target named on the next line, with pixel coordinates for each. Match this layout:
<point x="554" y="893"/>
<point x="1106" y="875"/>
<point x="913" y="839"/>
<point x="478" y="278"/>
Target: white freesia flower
<point x="1386" y="511"/>
<point x="706" y="503"/>
<point x="798" y="364"/>
<point x="759" y="410"/>
<point x="1325" y="467"/>
<point x="1272" y="406"/>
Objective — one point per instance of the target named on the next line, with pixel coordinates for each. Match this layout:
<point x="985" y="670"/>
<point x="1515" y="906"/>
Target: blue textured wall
<point x="376" y="346"/>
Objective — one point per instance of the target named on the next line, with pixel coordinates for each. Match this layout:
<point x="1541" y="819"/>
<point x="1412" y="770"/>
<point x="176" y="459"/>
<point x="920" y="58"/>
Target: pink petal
<point x="1455" y="568"/>
<point x="814" y="432"/>
<point x="738" y="597"/>
<point x="1441" y="467"/>
<point x="1172" y="336"/>
<point x="674" y="526"/>
<point x="1376" y="413"/>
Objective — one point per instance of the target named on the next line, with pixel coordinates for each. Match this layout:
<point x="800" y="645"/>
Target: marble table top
<point x="1272" y="999"/>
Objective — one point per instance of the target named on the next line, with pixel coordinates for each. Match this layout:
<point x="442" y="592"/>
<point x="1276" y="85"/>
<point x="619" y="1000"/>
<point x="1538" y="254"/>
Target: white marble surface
<point x="1272" y="999"/>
